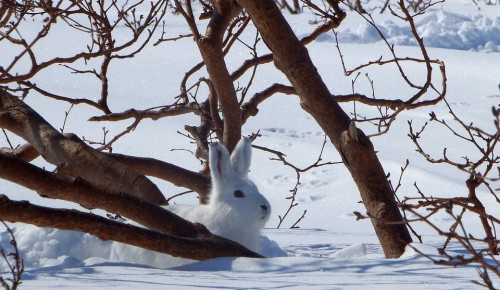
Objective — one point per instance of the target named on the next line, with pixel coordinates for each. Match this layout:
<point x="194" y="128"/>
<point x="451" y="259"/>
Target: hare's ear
<point x="220" y="166"/>
<point x="241" y="157"/>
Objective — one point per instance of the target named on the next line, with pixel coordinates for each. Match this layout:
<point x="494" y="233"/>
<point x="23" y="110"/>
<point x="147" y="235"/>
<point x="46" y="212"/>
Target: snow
<point x="441" y="28"/>
<point x="438" y="28"/>
<point x="330" y="250"/>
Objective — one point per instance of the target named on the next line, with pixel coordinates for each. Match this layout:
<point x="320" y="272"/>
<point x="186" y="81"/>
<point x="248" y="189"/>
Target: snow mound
<point x="354" y="251"/>
<point x="438" y="28"/>
<point x="46" y="247"/>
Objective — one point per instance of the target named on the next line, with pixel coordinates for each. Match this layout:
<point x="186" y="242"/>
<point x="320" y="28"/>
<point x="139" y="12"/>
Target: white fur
<point x="236" y="218"/>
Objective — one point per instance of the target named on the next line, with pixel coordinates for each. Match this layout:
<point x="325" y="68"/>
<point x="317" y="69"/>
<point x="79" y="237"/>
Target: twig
<point x="298" y="171"/>
<point x="17" y="268"/>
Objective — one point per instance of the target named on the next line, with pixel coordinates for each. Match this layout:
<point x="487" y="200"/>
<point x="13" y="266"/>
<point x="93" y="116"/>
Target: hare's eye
<point x="239" y="194"/>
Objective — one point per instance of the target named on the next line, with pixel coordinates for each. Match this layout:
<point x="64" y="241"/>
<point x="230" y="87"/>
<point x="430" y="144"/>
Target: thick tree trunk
<point x="357" y="152"/>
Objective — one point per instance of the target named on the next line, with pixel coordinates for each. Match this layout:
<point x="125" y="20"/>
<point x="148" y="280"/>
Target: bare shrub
<point x="14" y="263"/>
<point x="484" y="171"/>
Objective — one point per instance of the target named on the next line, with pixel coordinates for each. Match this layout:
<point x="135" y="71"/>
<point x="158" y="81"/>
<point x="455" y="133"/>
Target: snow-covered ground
<point x="331" y="250"/>
<point x="446" y="26"/>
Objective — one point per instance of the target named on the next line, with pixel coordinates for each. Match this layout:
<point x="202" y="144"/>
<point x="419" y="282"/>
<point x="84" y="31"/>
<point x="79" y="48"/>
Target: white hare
<point x="236" y="210"/>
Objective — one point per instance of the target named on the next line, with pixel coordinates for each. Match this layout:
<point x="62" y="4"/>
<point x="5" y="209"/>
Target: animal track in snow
<point x="314" y="250"/>
<point x="313" y="183"/>
<point x="310" y="198"/>
<point x="294" y="133"/>
<point x="278" y="180"/>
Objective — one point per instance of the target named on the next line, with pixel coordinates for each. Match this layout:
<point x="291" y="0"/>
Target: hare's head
<point x="233" y="194"/>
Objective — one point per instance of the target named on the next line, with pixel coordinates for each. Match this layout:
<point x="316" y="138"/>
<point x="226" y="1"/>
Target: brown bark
<point x="71" y="157"/>
<point x="57" y="186"/>
<point x="148" y="166"/>
<point x="206" y="246"/>
<point x="359" y="7"/>
<point x="176" y="175"/>
<point x="472" y="183"/>
<point x="25" y="152"/>
<point x="357" y="152"/>
<point x="212" y="53"/>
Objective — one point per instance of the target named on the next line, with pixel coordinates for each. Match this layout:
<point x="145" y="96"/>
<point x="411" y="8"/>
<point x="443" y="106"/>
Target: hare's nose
<point x="263" y="207"/>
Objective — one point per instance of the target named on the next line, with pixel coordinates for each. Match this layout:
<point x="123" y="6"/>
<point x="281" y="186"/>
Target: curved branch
<point x="206" y="246"/>
<point x="177" y="175"/>
<point x="153" y="114"/>
<point x="250" y="108"/>
<point x="57" y="186"/>
<point x="75" y="101"/>
<point x="25" y="152"/>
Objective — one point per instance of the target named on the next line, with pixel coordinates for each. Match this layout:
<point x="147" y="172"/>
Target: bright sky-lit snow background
<point x="331" y="250"/>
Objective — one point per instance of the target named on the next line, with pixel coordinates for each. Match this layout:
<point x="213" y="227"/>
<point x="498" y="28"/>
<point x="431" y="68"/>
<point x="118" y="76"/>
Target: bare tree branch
<point x="211" y="49"/>
<point x="57" y="186"/>
<point x="204" y="246"/>
<point x="177" y="175"/>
